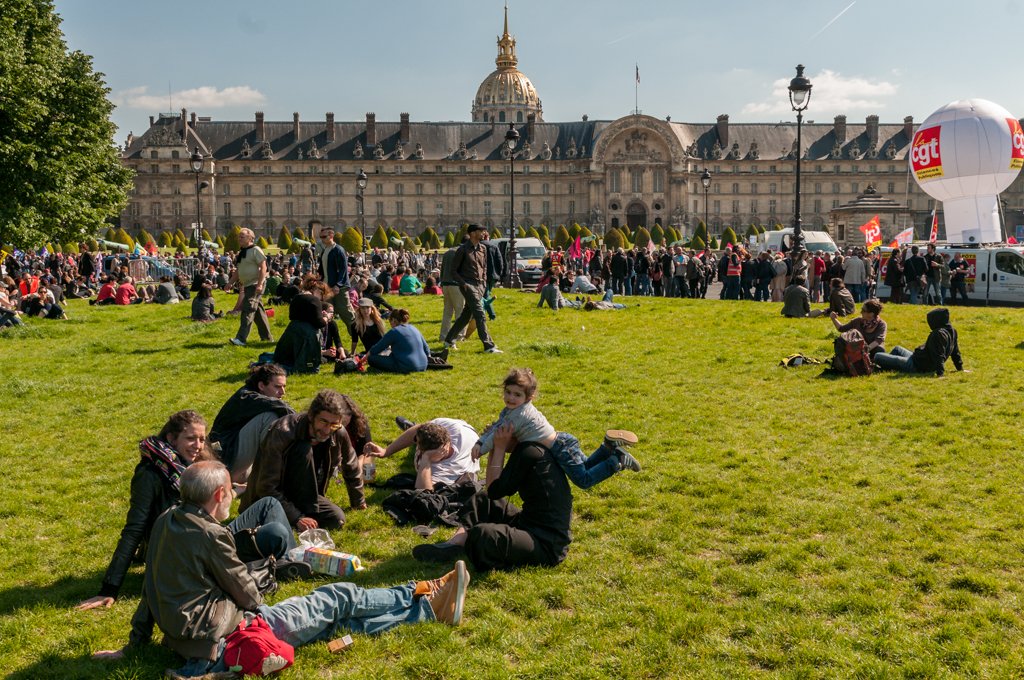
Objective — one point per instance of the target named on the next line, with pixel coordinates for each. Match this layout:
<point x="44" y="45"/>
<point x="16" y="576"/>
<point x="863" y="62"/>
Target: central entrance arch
<point x="636" y="216"/>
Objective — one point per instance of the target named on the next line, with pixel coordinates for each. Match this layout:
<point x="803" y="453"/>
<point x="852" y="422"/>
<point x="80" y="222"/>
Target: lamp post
<point x="512" y="278"/>
<point x="360" y="186"/>
<point x="799" y="98"/>
<point x="197" y="161"/>
<point x="705" y="181"/>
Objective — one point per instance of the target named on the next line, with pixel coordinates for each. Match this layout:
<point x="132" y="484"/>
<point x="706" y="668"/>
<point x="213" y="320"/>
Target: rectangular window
<point x="314" y="208"/>
<point x="398" y="169"/>
<point x="245" y="169"/>
<point x="874" y="169"/>
<point x="545" y="170"/>
<point x="439" y="208"/>
<point x="526" y="189"/>
<point x="659" y="182"/>
<point x="572" y="207"/>
<point x="735" y="187"/>
<point x="735" y="206"/>
<point x="155" y="209"/>
<point x="399" y="189"/>
<point x="526" y="169"/>
<point x="637" y="182"/>
<point x="287" y="169"/>
<point x="931" y="204"/>
<point x="487" y="169"/>
<point x="753" y="188"/>
<point x="835" y="169"/>
<point x="379" y="189"/>
<point x="226" y="191"/>
<point x="247" y="208"/>
<point x="718" y="170"/>
<point x="462" y="190"/>
<point x="226" y="169"/>
<point x="154" y="189"/>
<point x="227" y="210"/>
<point x="716" y="188"/>
<point x="287" y="189"/>
<point x="154" y="168"/>
<point x="753" y="207"/>
<point x="462" y="208"/>
<point x="487" y="189"/>
<point x="771" y="168"/>
<point x="266" y="190"/>
<point x="135" y="209"/>
<point x="572" y="188"/>
<point x="892" y="168"/>
<point x="438" y="169"/>
<point x="175" y="168"/>
<point x="419" y="189"/>
<point x="314" y="189"/>
<point x="505" y="189"/>
<point x="854" y="187"/>
<point x="438" y="189"/>
<point x="380" y="208"/>
<point x="717" y="207"/>
<point x="842" y="232"/>
<point x="176" y="206"/>
<point x="338" y="191"/>
<point x="399" y="208"/>
<point x="526" y="207"/>
<point x="266" y="169"/>
<point x="268" y="209"/>
<point x="892" y="187"/>
<point x="545" y="189"/>
<point x="835" y="203"/>
<point x="771" y="206"/>
<point x="546" y="207"/>
<point x="771" y="188"/>
<point x="817" y="187"/>
<point x="247" y="190"/>
<point x="339" y="209"/>
<point x="695" y="205"/>
<point x="462" y="169"/>
<point x="487" y="207"/>
<point x="613" y="182"/>
<point x="289" y="209"/>
<point x="506" y="207"/>
<point x="854" y="168"/>
<point x="817" y="168"/>
<point x="835" y="187"/>
<point x="419" y="208"/>
<point x="817" y="205"/>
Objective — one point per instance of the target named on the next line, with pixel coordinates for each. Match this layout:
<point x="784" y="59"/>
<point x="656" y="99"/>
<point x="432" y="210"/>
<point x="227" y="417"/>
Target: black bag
<point x="262" y="573"/>
<point x="345" y="366"/>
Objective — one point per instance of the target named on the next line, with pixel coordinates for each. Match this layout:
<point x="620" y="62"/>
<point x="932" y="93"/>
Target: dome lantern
<point x="506" y="95"/>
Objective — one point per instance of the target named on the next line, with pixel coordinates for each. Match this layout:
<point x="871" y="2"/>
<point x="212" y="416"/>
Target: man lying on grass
<point x="198" y="591"/>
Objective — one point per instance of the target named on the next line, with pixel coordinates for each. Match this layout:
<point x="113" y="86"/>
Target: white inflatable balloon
<point x="964" y="155"/>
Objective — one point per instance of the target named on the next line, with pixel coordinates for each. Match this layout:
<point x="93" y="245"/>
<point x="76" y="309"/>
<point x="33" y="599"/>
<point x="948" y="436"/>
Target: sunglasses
<point x="320" y="422"/>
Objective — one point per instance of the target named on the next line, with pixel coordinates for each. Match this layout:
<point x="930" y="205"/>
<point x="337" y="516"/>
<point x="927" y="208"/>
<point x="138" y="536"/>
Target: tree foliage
<point x="752" y="230"/>
<point x="449" y="240"/>
<point x="144" y="237"/>
<point x="642" y="238"/>
<point x="284" y="239"/>
<point x="729" y="237"/>
<point x="352" y="240"/>
<point x="613" y="239"/>
<point x="561" y="237"/>
<point x="379" y="238"/>
<point x="60" y="175"/>
<point x="657" y="234"/>
<point x="714" y="243"/>
<point x="231" y="242"/>
<point x="701" y="231"/>
<point x="262" y="243"/>
<point x="697" y="243"/>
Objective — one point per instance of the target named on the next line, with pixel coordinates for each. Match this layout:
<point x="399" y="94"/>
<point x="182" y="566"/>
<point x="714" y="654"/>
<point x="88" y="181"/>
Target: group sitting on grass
<point x="205" y="581"/>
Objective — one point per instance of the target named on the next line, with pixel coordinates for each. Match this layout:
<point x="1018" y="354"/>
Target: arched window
<point x="485" y="118"/>
<point x="501" y="117"/>
<point x="519" y="116"/>
<point x="615" y="223"/>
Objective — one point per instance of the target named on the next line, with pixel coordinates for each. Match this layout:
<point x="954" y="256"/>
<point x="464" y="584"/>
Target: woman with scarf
<point x="869" y="323"/>
<point x="154" y="488"/>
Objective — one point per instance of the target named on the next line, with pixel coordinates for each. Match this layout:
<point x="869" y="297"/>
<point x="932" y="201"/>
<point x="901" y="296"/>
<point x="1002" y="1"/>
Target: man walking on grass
<point x="333" y="270"/>
<point x="251" y="275"/>
<point x="469" y="269"/>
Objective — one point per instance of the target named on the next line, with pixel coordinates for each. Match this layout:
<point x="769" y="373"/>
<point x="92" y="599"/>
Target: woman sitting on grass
<point x="408" y="349"/>
<point x="368" y="326"/>
<point x="431" y="287"/>
<point x="410" y="285"/>
<point x="8" y="308"/>
<point x="869" y="323"/>
<point x="42" y="305"/>
<point x="154" y="488"/>
<point x="299" y="350"/>
<point x="202" y="305"/>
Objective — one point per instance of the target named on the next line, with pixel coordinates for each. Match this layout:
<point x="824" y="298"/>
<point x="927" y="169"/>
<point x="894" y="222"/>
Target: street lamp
<point x="799" y="98"/>
<point x="360" y="186"/>
<point x="197" y="161"/>
<point x="512" y="278"/>
<point x="705" y="180"/>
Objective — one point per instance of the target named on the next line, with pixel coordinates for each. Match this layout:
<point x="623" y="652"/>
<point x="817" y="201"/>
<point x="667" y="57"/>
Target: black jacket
<point x="237" y="411"/>
<point x="619" y="265"/>
<point x="150" y="497"/>
<point x="495" y="263"/>
<point x="307" y="308"/>
<point x="942" y="344"/>
<point x="763" y="270"/>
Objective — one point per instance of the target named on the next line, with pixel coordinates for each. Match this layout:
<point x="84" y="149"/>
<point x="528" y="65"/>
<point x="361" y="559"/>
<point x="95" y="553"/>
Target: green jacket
<point x="196" y="589"/>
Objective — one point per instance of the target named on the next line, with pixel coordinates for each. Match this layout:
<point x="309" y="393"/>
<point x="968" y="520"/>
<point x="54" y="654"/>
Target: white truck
<point x="813" y="241"/>
<point x="996" y="275"/>
<point x="529" y="255"/>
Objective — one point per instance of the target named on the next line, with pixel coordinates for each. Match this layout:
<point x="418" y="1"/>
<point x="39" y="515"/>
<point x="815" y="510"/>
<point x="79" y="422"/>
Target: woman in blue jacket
<point x="409" y="350"/>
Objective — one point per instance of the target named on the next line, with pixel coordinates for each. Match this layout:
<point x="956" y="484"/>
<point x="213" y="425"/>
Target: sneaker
<point x="236" y="341"/>
<point x="494" y="350"/>
<point x="288" y="570"/>
<point x="403" y="423"/>
<point x="627" y="461"/>
<point x="616" y="438"/>
<point x="437" y="552"/>
<point x="450" y="345"/>
<point x="448" y="601"/>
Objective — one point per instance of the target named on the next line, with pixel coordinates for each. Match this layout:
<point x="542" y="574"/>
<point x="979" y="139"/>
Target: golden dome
<point x="506" y="91"/>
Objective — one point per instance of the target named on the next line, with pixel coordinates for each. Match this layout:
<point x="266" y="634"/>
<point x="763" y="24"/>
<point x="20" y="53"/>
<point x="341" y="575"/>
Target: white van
<point x="529" y="255"/>
<point x="996" y="275"/>
<point x="813" y="241"/>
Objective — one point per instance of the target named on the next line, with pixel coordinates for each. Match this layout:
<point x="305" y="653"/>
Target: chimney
<point x="908" y="127"/>
<point x="371" y="129"/>
<point x="151" y="121"/>
<point x="531" y="127"/>
<point x="585" y="118"/>
<point x="839" y="127"/>
<point x="405" y="128"/>
<point x="330" y="127"/>
<point x="193" y="120"/>
<point x="261" y="130"/>
<point x="872" y="123"/>
<point x="723" y="130"/>
<point x="295" y="125"/>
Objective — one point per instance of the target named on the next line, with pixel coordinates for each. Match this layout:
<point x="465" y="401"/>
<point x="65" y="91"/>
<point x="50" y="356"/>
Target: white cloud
<point x="201" y="97"/>
<point x="832" y="92"/>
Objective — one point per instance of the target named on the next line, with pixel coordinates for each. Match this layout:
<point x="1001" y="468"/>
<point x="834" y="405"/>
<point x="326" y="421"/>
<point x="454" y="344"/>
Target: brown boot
<point x="450" y="595"/>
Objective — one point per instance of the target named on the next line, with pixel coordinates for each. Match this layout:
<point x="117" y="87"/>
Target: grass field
<point x="786" y="525"/>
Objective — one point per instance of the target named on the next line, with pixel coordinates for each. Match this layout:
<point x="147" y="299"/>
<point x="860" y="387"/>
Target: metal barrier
<point x="151" y="268"/>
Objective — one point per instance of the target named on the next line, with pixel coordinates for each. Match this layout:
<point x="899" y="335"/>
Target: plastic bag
<point x="311" y="538"/>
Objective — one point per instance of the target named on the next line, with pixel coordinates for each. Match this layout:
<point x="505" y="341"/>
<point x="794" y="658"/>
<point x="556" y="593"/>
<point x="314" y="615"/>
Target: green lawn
<point x="786" y="525"/>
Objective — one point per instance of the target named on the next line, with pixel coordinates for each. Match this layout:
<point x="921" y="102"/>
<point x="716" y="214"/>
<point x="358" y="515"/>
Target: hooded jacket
<point x="240" y="408"/>
<point x="941" y="345"/>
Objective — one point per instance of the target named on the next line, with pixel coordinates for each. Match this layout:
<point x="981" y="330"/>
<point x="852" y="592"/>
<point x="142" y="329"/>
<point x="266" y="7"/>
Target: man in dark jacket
<point x="198" y="591"/>
<point x="763" y="275"/>
<point x="297" y="459"/>
<point x="495" y="274"/>
<point x="942" y="344"/>
<point x="618" y="268"/>
<point x="244" y="419"/>
<point x="914" y="269"/>
<point x="333" y="270"/>
<point x="470" y="271"/>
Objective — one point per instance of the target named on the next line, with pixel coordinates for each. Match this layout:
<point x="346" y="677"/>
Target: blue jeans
<point x="643" y="284"/>
<point x="945" y="292"/>
<point x="609" y="296"/>
<point x="959" y="287"/>
<point x="732" y="288"/>
<point x="273" y="531"/>
<point x="899" y="359"/>
<point x="489" y="302"/>
<point x="858" y="292"/>
<point x="627" y="284"/>
<point x="336" y="606"/>
<point x="933" y="289"/>
<point x="583" y="472"/>
<point x="761" y="292"/>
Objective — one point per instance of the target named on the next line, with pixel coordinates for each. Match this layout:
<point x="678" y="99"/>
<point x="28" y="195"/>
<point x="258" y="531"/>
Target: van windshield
<point x="530" y="253"/>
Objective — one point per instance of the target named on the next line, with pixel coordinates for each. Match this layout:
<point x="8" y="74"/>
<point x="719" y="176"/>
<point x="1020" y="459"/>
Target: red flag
<point x="1010" y="239"/>
<point x="576" y="250"/>
<point x="894" y="244"/>
<point x="934" y="236"/>
<point x="872" y="233"/>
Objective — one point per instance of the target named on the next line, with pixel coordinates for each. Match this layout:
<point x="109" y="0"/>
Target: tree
<point x="495" y="233"/>
<point x="714" y="243"/>
<point x="752" y="230"/>
<point x="573" y="231"/>
<point x="561" y="237"/>
<point x="613" y="239"/>
<point x="460" y="233"/>
<point x="284" y="239"/>
<point x="60" y="174"/>
<point x="643" y="237"/>
<point x="181" y="248"/>
<point x="542" y="230"/>
<point x="546" y="241"/>
<point x="392" y="234"/>
<point x="192" y="241"/>
<point x="435" y="241"/>
<point x="729" y="237"/>
<point x="262" y="243"/>
<point x="294" y="248"/>
<point x="702" y="231"/>
<point x="697" y="243"/>
<point x="427" y="238"/>
<point x="351" y="241"/>
<point x="123" y="237"/>
<point x="408" y="244"/>
<point x="221" y="241"/>
<point x="93" y="246"/>
<point x="231" y="242"/>
<point x="298" y="233"/>
<point x="379" y="238"/>
<point x="109" y="236"/>
<point x="777" y="227"/>
<point x="449" y="240"/>
<point x="584" y="232"/>
<point x="144" y="238"/>
<point x="520" y="232"/>
<point x="532" y="233"/>
<point x="206" y="236"/>
<point x="180" y="234"/>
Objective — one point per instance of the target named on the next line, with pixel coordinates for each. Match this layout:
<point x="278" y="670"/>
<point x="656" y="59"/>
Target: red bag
<point x="851" y="354"/>
<point x="254" y="650"/>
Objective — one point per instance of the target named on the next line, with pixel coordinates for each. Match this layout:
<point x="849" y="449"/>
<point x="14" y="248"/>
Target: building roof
<point x="870" y="201"/>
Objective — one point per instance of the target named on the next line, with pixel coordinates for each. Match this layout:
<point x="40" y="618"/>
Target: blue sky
<point x="227" y="59"/>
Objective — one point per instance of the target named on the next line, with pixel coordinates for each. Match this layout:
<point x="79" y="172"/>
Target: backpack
<point x="851" y="354"/>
